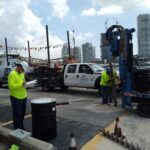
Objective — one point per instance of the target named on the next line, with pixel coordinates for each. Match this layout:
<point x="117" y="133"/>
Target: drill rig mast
<point x="121" y="46"/>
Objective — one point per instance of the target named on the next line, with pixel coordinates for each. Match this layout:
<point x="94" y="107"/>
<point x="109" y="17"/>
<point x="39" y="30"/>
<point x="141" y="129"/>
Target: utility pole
<point x="68" y="43"/>
<point x="6" y="52"/>
<point x="48" y="53"/>
<point x="29" y="59"/>
<point x="73" y="42"/>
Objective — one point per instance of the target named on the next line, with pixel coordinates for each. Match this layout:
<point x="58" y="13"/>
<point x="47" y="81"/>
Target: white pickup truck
<point x="83" y="75"/>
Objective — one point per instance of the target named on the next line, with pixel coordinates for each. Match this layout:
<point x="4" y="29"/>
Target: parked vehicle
<point x="4" y="79"/>
<point x="83" y="75"/>
<point x="13" y="60"/>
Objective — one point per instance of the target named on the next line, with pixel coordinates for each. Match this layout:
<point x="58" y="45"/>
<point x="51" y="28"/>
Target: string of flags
<point x="34" y="48"/>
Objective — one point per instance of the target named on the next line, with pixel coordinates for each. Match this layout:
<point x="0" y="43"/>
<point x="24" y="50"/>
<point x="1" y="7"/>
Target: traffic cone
<point x="107" y="134"/>
<point x="73" y="144"/>
<point x="112" y="136"/>
<point x="104" y="132"/>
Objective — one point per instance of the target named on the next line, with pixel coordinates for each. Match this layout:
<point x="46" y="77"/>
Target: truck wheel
<point x="1" y="84"/>
<point x="45" y="86"/>
<point x="143" y="109"/>
<point x="61" y="84"/>
<point x="64" y="87"/>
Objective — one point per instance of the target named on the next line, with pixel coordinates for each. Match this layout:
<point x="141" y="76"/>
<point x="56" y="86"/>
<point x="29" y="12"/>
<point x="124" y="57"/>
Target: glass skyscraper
<point x="105" y="48"/>
<point x="143" y="24"/>
<point x="88" y="52"/>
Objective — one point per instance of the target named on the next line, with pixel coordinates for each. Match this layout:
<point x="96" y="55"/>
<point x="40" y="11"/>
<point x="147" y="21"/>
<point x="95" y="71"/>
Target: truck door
<point x="70" y="75"/>
<point x="86" y="76"/>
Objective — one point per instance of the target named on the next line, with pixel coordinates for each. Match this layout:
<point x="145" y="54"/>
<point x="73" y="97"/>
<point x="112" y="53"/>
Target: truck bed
<point x="48" y="76"/>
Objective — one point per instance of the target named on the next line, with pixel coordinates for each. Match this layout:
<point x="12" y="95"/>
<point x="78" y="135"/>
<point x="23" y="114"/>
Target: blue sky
<point x="23" y="20"/>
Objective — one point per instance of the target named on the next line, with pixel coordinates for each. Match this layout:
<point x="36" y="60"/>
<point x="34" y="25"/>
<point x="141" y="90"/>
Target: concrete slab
<point x="135" y="128"/>
<point x="85" y="116"/>
<point x="27" y="143"/>
<point x="85" y="124"/>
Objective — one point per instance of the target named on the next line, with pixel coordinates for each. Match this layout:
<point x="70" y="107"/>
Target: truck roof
<point x="81" y="63"/>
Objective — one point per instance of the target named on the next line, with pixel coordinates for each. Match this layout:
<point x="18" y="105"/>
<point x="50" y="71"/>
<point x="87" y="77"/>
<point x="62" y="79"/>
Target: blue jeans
<point x="19" y="110"/>
<point x="105" y="94"/>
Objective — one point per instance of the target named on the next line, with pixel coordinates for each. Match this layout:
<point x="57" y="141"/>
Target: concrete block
<point x="28" y="143"/>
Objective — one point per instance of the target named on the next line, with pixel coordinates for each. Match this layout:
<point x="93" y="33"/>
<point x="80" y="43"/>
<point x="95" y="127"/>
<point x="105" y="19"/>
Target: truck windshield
<point x="96" y="67"/>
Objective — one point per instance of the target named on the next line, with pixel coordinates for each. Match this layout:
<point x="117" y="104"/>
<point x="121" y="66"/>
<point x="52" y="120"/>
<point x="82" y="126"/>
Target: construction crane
<point x="120" y="40"/>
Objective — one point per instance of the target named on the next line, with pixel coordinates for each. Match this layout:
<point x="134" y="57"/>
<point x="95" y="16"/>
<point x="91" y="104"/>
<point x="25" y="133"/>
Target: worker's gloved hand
<point x="112" y="78"/>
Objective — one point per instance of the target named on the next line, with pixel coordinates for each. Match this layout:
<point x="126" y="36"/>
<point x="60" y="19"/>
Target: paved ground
<point x="135" y="128"/>
<point x="84" y="116"/>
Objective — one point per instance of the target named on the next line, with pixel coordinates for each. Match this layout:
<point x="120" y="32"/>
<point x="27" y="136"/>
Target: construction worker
<point x="105" y="84"/>
<point x="18" y="94"/>
<point x="114" y="78"/>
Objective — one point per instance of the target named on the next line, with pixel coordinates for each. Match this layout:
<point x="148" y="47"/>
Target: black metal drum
<point x="44" y="125"/>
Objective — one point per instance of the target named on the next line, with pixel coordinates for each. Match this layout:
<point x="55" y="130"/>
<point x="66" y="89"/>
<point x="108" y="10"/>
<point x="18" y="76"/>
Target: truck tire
<point x="1" y="84"/>
<point x="143" y="109"/>
<point x="64" y="87"/>
<point x="61" y="84"/>
<point x="45" y="86"/>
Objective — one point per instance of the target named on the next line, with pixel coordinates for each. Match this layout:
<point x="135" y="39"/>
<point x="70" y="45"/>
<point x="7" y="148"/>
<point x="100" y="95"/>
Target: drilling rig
<point x="135" y="81"/>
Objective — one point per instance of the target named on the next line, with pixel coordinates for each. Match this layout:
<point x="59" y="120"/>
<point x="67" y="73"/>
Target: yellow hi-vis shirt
<point x="105" y="79"/>
<point x="113" y="77"/>
<point x="15" y="81"/>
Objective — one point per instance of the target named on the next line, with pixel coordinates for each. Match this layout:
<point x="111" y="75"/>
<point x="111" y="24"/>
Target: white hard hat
<point x="24" y="65"/>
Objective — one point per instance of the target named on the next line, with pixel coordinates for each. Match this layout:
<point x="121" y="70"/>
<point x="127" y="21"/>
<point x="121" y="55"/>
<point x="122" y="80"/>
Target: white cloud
<point x="89" y="34"/>
<point x="146" y="4"/>
<point x="60" y="8"/>
<point x="80" y="38"/>
<point x="127" y="5"/>
<point x="2" y="11"/>
<point x="88" y="12"/>
<point x="27" y="1"/>
<point x="19" y="24"/>
<point x="110" y="10"/>
<point x="83" y="37"/>
<point x="106" y="2"/>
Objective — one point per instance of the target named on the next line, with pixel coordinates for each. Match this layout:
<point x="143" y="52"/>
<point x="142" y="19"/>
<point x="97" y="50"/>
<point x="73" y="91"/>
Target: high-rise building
<point x="105" y="48"/>
<point x="76" y="51"/>
<point x="88" y="52"/>
<point x="64" y="51"/>
<point x="143" y="24"/>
